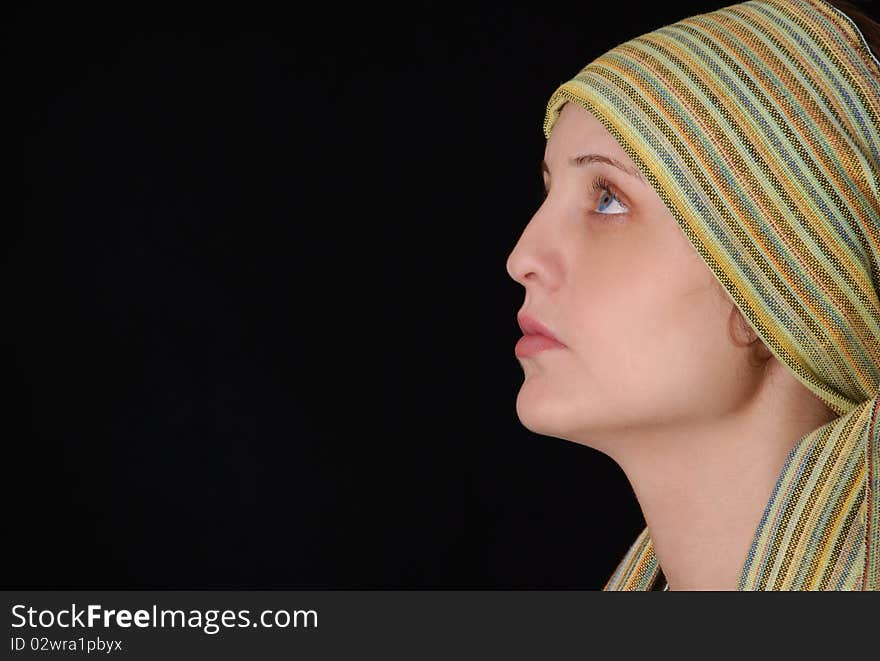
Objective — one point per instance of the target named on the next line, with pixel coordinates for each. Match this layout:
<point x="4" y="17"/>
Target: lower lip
<point x="529" y="345"/>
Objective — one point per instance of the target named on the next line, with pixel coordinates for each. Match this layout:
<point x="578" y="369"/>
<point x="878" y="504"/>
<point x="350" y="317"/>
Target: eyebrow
<point x="586" y="159"/>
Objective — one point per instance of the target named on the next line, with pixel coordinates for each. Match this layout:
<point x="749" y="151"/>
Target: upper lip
<point x="531" y="326"/>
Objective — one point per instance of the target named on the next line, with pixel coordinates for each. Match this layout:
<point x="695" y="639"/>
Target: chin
<point x="542" y="412"/>
<point x="555" y="414"/>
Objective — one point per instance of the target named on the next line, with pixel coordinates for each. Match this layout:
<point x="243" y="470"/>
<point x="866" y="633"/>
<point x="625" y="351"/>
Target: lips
<point x="531" y="326"/>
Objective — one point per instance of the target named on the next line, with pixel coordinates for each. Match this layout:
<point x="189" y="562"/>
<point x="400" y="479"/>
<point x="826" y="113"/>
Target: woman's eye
<point x="609" y="204"/>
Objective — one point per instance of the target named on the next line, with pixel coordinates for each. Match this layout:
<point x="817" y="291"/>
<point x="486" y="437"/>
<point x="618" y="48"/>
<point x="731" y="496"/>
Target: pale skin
<point x="649" y="374"/>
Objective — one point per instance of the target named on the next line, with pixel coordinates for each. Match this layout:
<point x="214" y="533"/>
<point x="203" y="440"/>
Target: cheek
<point x="653" y="332"/>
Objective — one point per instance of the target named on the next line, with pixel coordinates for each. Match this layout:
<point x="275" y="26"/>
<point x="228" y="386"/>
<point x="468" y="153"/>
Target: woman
<point x="701" y="294"/>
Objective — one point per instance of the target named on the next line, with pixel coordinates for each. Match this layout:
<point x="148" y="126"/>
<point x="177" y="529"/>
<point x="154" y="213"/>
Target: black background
<point x="262" y="329"/>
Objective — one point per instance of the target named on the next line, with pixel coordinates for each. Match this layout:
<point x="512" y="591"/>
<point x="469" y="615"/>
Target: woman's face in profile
<point x="608" y="270"/>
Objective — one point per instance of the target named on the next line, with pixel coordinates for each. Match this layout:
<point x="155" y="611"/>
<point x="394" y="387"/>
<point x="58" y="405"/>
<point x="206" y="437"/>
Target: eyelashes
<point x="601" y="188"/>
<point x="602" y="185"/>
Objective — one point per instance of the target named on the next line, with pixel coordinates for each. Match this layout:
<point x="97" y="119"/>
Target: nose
<point x="531" y="256"/>
<point x="514" y="262"/>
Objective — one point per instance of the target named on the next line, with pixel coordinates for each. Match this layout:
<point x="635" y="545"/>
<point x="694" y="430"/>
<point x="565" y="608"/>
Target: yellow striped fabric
<point x="758" y="125"/>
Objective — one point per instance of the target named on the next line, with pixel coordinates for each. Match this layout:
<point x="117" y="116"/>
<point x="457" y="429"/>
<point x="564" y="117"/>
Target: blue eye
<point x="608" y="203"/>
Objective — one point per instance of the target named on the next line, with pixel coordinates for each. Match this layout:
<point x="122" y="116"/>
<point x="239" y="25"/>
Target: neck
<point x="703" y="489"/>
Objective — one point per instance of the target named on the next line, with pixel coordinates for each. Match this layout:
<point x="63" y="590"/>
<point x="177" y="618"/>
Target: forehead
<point x="577" y="130"/>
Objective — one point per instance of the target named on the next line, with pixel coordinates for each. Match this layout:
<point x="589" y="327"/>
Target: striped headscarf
<point x="758" y="125"/>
